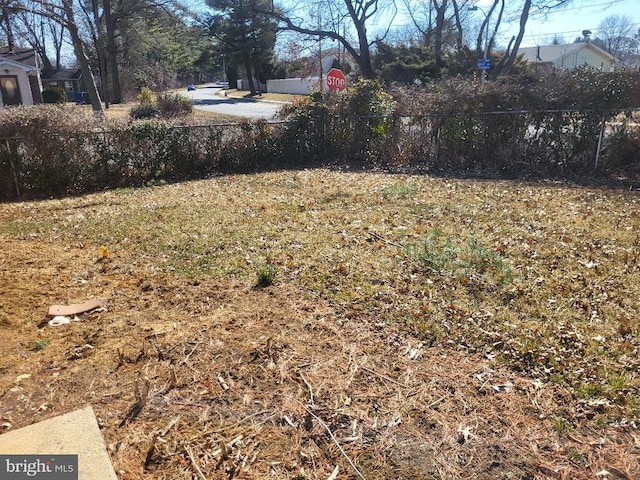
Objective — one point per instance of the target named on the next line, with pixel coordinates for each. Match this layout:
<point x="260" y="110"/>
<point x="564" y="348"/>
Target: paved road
<point x="207" y="98"/>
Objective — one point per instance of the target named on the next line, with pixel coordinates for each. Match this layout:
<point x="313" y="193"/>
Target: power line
<point x="526" y="35"/>
<point x="592" y="5"/>
<point x="536" y="36"/>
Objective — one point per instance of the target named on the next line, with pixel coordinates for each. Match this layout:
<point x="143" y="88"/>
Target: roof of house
<point x="20" y="65"/>
<point x="555" y="53"/>
<point x="22" y="55"/>
<point x="63" y="74"/>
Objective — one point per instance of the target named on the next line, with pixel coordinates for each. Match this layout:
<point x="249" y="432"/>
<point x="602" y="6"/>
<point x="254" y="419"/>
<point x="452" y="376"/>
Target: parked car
<point x="191" y="87"/>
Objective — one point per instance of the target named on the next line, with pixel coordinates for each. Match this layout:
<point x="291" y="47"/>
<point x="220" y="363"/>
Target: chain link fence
<point x="545" y="142"/>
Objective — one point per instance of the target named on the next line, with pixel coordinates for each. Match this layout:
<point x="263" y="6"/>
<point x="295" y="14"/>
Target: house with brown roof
<point x="19" y="77"/>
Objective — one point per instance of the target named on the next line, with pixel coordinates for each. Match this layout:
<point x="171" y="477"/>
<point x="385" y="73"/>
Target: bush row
<point x="169" y="105"/>
<point x="46" y="151"/>
<point x="566" y="123"/>
<point x="477" y="128"/>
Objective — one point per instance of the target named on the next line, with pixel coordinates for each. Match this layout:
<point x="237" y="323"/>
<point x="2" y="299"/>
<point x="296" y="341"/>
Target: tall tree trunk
<point x="38" y="43"/>
<point x="79" y="50"/>
<point x="492" y="40"/>
<point x="511" y="58"/>
<point x="364" y="59"/>
<point x="252" y="85"/>
<point x="440" y="19"/>
<point x="485" y="25"/>
<point x="57" y="38"/>
<point x="366" y="67"/>
<point x="496" y="71"/>
<point x="458" y="22"/>
<point x="426" y="35"/>
<point x="98" y="40"/>
<point x="112" y="52"/>
<point x="8" y="29"/>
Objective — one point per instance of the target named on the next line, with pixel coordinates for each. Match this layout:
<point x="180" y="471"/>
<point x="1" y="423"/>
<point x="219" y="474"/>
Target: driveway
<point x="209" y="98"/>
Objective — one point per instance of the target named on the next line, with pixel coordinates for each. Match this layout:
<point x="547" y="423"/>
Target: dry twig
<point x="141" y="394"/>
<point x="379" y="237"/>
<point x="385" y="377"/>
<point x="185" y="360"/>
<point x="195" y="465"/>
<point x="326" y="427"/>
<point x="238" y="423"/>
<point x="309" y="387"/>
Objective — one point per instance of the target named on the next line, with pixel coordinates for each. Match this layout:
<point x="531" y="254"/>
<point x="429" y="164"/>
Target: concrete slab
<point x="76" y="432"/>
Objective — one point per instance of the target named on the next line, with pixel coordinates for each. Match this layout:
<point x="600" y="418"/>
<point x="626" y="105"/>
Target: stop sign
<point x="336" y="80"/>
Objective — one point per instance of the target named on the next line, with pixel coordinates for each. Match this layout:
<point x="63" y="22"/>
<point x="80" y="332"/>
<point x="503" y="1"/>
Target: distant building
<point x="569" y="56"/>
<point x="19" y="77"/>
<point x="69" y="79"/>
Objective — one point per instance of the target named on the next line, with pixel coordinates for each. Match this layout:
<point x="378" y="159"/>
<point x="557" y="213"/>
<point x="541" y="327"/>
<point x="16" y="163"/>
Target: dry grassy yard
<point x="317" y="324"/>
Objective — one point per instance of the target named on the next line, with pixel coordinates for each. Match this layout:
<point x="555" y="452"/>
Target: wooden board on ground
<point x="76" y="308"/>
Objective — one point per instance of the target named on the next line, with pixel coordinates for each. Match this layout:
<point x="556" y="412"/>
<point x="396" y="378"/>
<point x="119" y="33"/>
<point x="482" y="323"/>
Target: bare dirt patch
<point x="356" y="358"/>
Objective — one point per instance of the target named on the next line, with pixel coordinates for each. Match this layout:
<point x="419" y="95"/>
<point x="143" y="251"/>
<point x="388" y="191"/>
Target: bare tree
<point x="107" y="19"/>
<point x="441" y="24"/>
<point x="8" y="9"/>
<point x="81" y="54"/>
<point x="341" y="19"/>
<point x="62" y="12"/>
<point x="458" y="23"/>
<point x="441" y="10"/>
<point x="617" y="32"/>
<point x="526" y="9"/>
<point x="555" y="39"/>
<point x="40" y="33"/>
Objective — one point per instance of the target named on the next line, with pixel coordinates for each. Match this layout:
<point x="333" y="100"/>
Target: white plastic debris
<point x="59" y="320"/>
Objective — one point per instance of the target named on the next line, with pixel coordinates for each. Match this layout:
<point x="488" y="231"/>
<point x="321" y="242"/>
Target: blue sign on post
<point x="484" y="63"/>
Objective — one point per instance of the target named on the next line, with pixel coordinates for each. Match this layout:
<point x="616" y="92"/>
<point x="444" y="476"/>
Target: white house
<point x="569" y="56"/>
<point x="19" y="79"/>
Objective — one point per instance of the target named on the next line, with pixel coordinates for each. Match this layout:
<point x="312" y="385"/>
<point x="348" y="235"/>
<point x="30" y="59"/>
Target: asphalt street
<point x="208" y="98"/>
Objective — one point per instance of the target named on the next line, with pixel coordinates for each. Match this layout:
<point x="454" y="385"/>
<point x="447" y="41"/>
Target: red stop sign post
<point x="336" y="80"/>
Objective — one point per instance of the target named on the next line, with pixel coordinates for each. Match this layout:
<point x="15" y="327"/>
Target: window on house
<point x="9" y="90"/>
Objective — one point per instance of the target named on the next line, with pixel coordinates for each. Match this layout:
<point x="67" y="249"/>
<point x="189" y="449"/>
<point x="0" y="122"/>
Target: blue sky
<point x="569" y="22"/>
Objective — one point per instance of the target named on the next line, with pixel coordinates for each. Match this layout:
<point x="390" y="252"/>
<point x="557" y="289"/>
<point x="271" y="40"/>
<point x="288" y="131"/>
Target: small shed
<point x="19" y="77"/>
